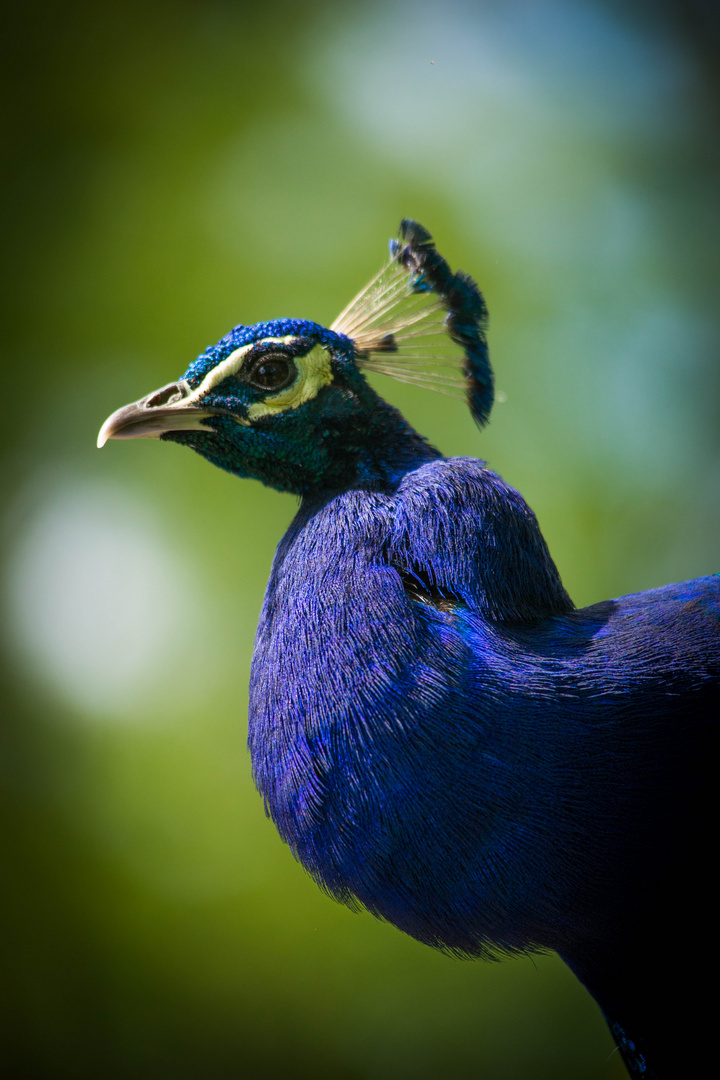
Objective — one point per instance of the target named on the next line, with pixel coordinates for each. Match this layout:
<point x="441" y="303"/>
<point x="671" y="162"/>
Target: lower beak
<point x="153" y="415"/>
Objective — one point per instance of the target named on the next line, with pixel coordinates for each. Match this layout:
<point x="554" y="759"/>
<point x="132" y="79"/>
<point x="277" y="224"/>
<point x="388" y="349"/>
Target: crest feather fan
<point x="420" y="323"/>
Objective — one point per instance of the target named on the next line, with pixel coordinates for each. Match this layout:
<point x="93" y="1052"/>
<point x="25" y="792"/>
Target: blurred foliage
<point x="172" y="168"/>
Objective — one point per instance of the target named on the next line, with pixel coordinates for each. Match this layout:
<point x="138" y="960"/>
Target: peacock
<point x="437" y="732"/>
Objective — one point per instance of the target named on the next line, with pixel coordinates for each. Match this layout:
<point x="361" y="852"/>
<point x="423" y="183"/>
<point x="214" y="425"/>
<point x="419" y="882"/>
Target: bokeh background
<point x="172" y="168"/>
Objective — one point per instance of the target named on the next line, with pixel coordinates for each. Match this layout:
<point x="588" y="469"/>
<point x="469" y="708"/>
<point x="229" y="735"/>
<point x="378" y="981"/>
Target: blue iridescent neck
<point x="373" y="447"/>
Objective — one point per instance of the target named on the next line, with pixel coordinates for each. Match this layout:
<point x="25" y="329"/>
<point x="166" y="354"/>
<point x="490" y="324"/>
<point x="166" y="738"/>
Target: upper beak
<point x="148" y="418"/>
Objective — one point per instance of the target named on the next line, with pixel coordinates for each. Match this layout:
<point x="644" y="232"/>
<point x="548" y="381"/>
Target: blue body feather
<point x="470" y="758"/>
<point x="443" y="755"/>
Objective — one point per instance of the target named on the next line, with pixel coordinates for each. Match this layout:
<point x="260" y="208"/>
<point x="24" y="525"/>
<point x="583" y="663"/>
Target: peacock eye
<point x="272" y="373"/>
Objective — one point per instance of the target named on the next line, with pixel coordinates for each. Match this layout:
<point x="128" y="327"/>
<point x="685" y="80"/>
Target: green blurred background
<point x="173" y="168"/>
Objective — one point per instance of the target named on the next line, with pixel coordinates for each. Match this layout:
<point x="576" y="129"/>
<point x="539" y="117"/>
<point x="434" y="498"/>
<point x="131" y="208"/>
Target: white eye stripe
<point x="230" y="366"/>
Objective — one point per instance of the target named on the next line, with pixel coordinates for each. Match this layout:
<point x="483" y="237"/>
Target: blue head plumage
<point x="286" y="401"/>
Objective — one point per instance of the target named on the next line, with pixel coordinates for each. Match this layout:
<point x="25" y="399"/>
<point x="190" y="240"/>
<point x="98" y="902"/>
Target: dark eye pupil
<point x="272" y="373"/>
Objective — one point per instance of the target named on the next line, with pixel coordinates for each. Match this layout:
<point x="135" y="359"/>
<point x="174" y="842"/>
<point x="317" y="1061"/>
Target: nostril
<point x="167" y="396"/>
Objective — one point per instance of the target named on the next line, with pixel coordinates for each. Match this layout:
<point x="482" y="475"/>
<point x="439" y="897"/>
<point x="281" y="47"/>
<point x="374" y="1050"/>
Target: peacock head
<point x="287" y="401"/>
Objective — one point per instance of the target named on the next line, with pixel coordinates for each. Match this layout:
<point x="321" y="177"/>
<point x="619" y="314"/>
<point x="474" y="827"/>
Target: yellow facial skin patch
<point x="314" y="372"/>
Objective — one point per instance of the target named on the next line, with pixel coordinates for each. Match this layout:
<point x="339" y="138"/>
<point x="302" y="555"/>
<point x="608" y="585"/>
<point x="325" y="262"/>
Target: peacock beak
<point x="151" y="416"/>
